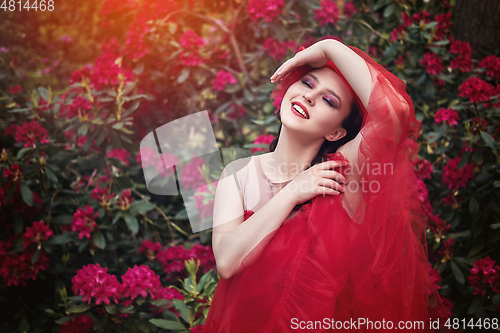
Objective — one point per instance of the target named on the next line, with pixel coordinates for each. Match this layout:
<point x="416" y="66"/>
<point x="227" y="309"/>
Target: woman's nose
<point x="309" y="98"/>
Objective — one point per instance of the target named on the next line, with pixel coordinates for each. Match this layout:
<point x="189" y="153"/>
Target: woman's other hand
<point x="318" y="179"/>
<point x="314" y="55"/>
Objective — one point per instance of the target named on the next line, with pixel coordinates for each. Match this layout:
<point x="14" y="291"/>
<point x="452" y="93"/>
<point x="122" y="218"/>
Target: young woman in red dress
<point x="326" y="231"/>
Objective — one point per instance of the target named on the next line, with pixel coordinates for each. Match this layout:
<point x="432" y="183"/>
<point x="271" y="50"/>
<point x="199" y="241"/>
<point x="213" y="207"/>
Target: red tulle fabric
<point x="323" y="264"/>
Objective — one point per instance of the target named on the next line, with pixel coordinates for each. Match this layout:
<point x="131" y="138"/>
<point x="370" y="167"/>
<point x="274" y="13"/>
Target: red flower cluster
<point x="80" y="324"/>
<point x="120" y="154"/>
<point x="16" y="269"/>
<point x="191" y="176"/>
<point x="448" y="249"/>
<point x="435" y="278"/>
<point x="438" y="227"/>
<point x="422" y="17"/>
<point x="476" y="90"/>
<point x="449" y="115"/>
<point x="398" y="33"/>
<point x="452" y="200"/>
<point x="15" y="174"/>
<point x="328" y="13"/>
<point x="83" y="222"/>
<point x="277" y="49"/>
<point x="30" y="133"/>
<point x="266" y="9"/>
<point x="262" y="139"/>
<point x="492" y="65"/>
<point x="15" y="89"/>
<point x="463" y="61"/>
<point x="444" y="26"/>
<point x="432" y="63"/>
<point x="149" y="248"/>
<point x="423" y="169"/>
<point x="141" y="280"/>
<point x="80" y="107"/>
<point x="222" y="78"/>
<point x="191" y="44"/>
<point x="37" y="234"/>
<point x="454" y="178"/>
<point x="103" y="196"/>
<point x="238" y="111"/>
<point x="93" y="281"/>
<point x="349" y="10"/>
<point x="125" y="200"/>
<point x="485" y="273"/>
<point x="106" y="72"/>
<point x="172" y="259"/>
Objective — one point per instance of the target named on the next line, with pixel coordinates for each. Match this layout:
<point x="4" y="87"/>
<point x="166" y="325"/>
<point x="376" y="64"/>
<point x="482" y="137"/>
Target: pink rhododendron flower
<point x="238" y="111"/>
<point x="432" y="63"/>
<point x="407" y="19"/>
<point x="15" y="89"/>
<point x="266" y="9"/>
<point x="435" y="278"/>
<point x="438" y="226"/>
<point x="191" y="44"/>
<point x="262" y="139"/>
<point x="80" y="107"/>
<point x="328" y="13"/>
<point x="80" y="324"/>
<point x="443" y="29"/>
<point x="349" y="9"/>
<point x="30" y="133"/>
<point x="446" y="115"/>
<point x="103" y="196"/>
<point x="15" y="173"/>
<point x="37" y="234"/>
<point x="120" y="154"/>
<point x="447" y="253"/>
<point x="277" y="49"/>
<point x="463" y="61"/>
<point x="125" y="200"/>
<point x="454" y="178"/>
<point x="423" y="169"/>
<point x="106" y="72"/>
<point x="80" y="75"/>
<point x="476" y="90"/>
<point x="93" y="281"/>
<point x="222" y="78"/>
<point x="398" y="33"/>
<point x="422" y="17"/>
<point x="17" y="269"/>
<point x="172" y="259"/>
<point x="149" y="248"/>
<point x="191" y="175"/>
<point x="452" y="200"/>
<point x="484" y="274"/>
<point x="492" y="65"/>
<point x="83" y="222"/>
<point x="142" y="281"/>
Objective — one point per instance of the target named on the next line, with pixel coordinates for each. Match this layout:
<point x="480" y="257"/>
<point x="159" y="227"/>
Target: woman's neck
<point x="292" y="155"/>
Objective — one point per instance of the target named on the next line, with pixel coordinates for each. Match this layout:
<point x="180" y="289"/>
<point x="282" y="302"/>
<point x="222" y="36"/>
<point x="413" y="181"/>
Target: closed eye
<point x="328" y="102"/>
<point x="306" y="83"/>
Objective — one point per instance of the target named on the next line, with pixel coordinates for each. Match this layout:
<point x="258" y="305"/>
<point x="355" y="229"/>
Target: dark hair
<point x="352" y="124"/>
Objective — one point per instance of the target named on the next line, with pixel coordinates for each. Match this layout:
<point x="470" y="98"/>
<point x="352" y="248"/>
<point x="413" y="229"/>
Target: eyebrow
<point x="328" y="90"/>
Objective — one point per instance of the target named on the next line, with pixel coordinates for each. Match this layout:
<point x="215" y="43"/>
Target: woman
<point x="337" y="244"/>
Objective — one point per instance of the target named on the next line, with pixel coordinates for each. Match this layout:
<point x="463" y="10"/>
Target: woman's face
<point x="325" y="100"/>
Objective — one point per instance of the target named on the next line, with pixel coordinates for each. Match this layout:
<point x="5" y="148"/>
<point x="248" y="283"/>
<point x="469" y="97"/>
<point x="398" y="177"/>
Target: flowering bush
<point x="75" y="212"/>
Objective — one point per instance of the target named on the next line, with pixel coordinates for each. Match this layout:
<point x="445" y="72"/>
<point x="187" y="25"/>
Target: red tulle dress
<point x="326" y="264"/>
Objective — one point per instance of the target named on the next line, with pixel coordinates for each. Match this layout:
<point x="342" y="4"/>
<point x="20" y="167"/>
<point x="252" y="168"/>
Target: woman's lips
<point x="303" y="108"/>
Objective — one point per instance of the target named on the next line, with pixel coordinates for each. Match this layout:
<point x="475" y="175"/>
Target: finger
<point x="332" y="184"/>
<point x="281" y="71"/>
<point x="331" y="164"/>
<point x="328" y="190"/>
<point x="334" y="175"/>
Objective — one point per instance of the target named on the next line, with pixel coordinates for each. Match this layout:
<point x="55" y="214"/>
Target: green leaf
<point x="23" y="152"/>
<point x="35" y="257"/>
<point x="167" y="324"/>
<point x="18" y="224"/>
<point x="64" y="320"/>
<point x="181" y="307"/>
<point x="132" y="223"/>
<point x="459" y="276"/>
<point x="24" y="326"/>
<point x="117" y="217"/>
<point x="496" y="299"/>
<point x="78" y="308"/>
<point x="464" y="160"/>
<point x="488" y="139"/>
<point x="476" y="305"/>
<point x="473" y="206"/>
<point x="99" y="240"/>
<point x="141" y="207"/>
<point x="159" y="302"/>
<point x="63" y="219"/>
<point x="184" y="75"/>
<point x="132" y="108"/>
<point x="478" y="157"/>
<point x="495" y="226"/>
<point x="389" y="10"/>
<point x="82" y="130"/>
<point x="51" y="176"/>
<point x="61" y="239"/>
<point x="27" y="194"/>
<point x="110" y="308"/>
<point x="44" y="93"/>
